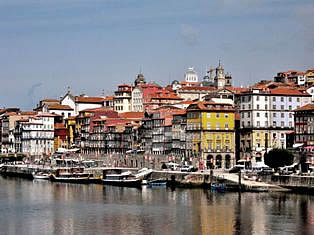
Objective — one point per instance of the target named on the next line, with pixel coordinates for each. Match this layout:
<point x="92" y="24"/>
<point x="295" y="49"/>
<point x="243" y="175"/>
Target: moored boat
<point x="125" y="179"/>
<point x="71" y="175"/>
<point x="41" y="175"/>
<point x="157" y="183"/>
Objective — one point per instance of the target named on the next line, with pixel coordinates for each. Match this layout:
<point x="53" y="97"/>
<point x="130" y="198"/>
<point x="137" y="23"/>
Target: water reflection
<point x="41" y="207"/>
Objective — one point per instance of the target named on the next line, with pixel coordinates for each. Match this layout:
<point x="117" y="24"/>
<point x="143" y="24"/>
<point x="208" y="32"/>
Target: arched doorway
<point x="218" y="161"/>
<point x="209" y="162"/>
<point x="227" y="161"/>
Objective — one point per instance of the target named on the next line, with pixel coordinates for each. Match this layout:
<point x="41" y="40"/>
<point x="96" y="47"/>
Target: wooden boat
<point x="125" y="179"/>
<point x="71" y="175"/>
<point x="41" y="175"/>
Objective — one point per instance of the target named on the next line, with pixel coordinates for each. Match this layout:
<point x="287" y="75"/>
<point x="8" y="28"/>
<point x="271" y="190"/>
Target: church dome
<point x="175" y="82"/>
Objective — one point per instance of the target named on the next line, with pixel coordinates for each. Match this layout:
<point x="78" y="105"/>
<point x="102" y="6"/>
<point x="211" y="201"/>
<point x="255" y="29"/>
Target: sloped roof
<point x="59" y="107"/>
<point x="88" y="99"/>
<point x="132" y="115"/>
<point x="308" y="107"/>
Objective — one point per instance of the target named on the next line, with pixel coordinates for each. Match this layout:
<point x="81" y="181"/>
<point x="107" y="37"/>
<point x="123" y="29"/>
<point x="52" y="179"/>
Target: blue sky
<point x="91" y="45"/>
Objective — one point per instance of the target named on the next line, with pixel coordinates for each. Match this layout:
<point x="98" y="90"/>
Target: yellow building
<point x="211" y="133"/>
<point x="70" y="124"/>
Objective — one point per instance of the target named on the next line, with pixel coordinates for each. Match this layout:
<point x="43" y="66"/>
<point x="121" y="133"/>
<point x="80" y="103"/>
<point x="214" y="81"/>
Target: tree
<point x="276" y="158"/>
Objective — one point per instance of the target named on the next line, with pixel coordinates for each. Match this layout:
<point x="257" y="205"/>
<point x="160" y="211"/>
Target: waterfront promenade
<point x="176" y="178"/>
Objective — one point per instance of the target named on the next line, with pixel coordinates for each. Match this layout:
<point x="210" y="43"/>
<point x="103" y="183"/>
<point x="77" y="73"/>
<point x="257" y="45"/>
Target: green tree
<point x="276" y="158"/>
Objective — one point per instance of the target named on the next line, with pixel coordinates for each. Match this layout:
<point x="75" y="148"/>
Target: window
<point x="257" y="98"/>
<point x="249" y="123"/>
<point x="274" y="98"/>
<point x="242" y="124"/>
<point x="243" y="107"/>
<point x="208" y="115"/>
<point x="257" y="114"/>
<point x="257" y="106"/>
<point x="282" y="115"/>
<point x="266" y="124"/>
<point x="274" y="124"/>
<point x="249" y="106"/>
<point x="282" y="124"/>
<point x="243" y="98"/>
<point x="226" y="126"/>
<point x="242" y="114"/>
<point x="290" y="115"/>
<point x="226" y="115"/>
<point x="208" y="126"/>
<point x="298" y="99"/>
<point x="281" y="99"/>
<point x="290" y="107"/>
<point x="274" y="114"/>
<point x="266" y="98"/>
<point x="217" y="115"/>
<point x="274" y="106"/>
<point x="266" y="114"/>
<point x="290" y="99"/>
<point x="266" y="106"/>
<point x="258" y="123"/>
<point x="218" y="126"/>
<point x="282" y="135"/>
<point x="282" y="107"/>
<point x="248" y="114"/>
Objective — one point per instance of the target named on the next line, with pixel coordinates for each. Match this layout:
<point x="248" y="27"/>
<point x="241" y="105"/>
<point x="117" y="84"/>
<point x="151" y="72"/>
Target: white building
<point x="266" y="117"/>
<point x="122" y="100"/>
<point x="79" y="103"/>
<point x="37" y="135"/>
<point x="137" y="100"/>
<point x="62" y="110"/>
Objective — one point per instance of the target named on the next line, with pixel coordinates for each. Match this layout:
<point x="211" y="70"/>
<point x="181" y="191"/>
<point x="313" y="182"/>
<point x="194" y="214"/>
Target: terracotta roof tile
<point x="59" y="107"/>
<point x="132" y="115"/>
<point x="89" y="99"/>
<point x="307" y="107"/>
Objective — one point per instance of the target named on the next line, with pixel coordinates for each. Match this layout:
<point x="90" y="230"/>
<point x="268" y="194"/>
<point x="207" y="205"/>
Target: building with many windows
<point x="210" y="134"/>
<point x="266" y="117"/>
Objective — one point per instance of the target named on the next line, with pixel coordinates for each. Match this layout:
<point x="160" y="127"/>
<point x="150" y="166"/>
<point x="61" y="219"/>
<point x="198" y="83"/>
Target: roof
<point x="89" y="99"/>
<point x="288" y="91"/>
<point x="308" y="107"/>
<point x="108" y="98"/>
<point x="210" y="106"/>
<point x="100" y="109"/>
<point x="47" y="115"/>
<point x="59" y="107"/>
<point x="132" y="115"/>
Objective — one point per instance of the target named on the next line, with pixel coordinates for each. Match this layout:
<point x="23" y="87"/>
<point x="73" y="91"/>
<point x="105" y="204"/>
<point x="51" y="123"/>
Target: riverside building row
<point x="209" y="122"/>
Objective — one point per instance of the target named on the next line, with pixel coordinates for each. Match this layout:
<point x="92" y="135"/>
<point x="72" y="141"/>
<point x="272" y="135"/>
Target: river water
<point x="42" y="207"/>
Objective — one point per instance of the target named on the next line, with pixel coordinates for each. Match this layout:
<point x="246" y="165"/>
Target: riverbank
<point x="173" y="178"/>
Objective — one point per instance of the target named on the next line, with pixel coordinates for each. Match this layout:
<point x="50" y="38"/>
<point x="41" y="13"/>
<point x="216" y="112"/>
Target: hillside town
<point x="208" y="123"/>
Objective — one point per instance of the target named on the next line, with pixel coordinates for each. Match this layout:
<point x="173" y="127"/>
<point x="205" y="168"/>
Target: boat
<point x="157" y="183"/>
<point x="70" y="175"/>
<point x="218" y="187"/>
<point x="124" y="179"/>
<point x="41" y="175"/>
